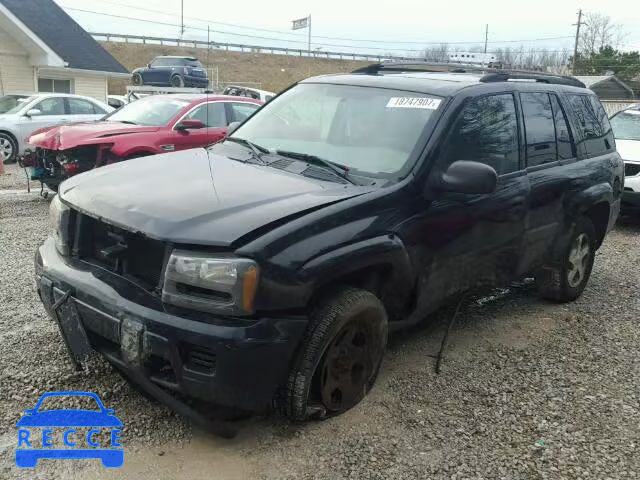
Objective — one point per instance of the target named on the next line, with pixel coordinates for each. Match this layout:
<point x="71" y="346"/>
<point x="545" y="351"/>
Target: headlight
<point x="59" y="215"/>
<point x="210" y="283"/>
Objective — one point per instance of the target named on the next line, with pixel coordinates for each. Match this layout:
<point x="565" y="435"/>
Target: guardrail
<point x="177" y="42"/>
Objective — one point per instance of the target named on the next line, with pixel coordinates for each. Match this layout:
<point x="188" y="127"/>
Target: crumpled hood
<point x="629" y="149"/>
<point x="197" y="197"/>
<point x="72" y="135"/>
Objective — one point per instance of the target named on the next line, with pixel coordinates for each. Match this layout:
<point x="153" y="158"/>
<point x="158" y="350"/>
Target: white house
<point x="42" y="49"/>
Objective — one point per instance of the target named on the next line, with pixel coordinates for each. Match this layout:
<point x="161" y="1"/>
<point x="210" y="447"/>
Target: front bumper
<point x="231" y="362"/>
<point x="630" y="200"/>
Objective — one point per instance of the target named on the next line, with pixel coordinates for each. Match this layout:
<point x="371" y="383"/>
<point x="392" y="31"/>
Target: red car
<point x="151" y="125"/>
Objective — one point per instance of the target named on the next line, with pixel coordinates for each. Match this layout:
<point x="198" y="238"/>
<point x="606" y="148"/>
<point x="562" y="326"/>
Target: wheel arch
<point x="380" y="265"/>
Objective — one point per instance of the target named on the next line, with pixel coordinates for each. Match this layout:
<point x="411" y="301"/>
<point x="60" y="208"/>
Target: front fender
<point x="385" y="255"/>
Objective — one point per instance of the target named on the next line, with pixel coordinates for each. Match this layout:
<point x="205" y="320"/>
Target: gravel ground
<point x="529" y="389"/>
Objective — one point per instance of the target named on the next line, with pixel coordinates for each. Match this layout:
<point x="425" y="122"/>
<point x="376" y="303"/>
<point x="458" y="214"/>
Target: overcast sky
<point x="355" y="21"/>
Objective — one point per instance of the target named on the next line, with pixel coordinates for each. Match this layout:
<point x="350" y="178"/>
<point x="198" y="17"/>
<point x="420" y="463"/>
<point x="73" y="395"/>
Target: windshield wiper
<point x="256" y="150"/>
<point x="339" y="170"/>
<point x="128" y="122"/>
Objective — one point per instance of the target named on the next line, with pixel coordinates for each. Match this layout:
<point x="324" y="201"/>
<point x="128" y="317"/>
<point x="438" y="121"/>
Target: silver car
<point x="21" y="115"/>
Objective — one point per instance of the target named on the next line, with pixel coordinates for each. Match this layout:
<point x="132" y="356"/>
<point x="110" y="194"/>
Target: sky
<point x="402" y="27"/>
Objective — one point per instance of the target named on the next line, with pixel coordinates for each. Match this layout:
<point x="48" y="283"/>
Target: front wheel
<point x="340" y="356"/>
<point x="565" y="281"/>
<point x="177" y="81"/>
<point x="8" y="148"/>
<point x="136" y="79"/>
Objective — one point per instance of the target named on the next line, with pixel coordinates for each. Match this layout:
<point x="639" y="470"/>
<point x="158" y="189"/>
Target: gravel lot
<point x="529" y="389"/>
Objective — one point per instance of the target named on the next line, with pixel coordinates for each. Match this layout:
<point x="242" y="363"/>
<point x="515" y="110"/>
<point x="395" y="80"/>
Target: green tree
<point x="625" y="65"/>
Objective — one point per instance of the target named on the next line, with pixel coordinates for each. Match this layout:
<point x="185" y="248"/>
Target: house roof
<point x="63" y="35"/>
<point x="592" y="80"/>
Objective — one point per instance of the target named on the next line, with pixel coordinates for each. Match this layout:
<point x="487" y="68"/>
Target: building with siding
<point x="607" y="87"/>
<point x="42" y="49"/>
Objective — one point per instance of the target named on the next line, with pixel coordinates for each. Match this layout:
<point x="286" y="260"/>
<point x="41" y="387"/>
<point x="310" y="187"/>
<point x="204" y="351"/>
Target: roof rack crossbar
<point x="491" y="74"/>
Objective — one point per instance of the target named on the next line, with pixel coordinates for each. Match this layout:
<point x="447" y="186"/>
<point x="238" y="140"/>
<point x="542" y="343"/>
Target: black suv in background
<point x="267" y="270"/>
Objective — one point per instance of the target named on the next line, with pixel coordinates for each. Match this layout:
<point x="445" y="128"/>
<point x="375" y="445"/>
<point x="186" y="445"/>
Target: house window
<point x="50" y="85"/>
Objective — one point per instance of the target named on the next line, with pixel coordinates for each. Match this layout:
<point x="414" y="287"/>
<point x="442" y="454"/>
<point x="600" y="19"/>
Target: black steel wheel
<point x="340" y="356"/>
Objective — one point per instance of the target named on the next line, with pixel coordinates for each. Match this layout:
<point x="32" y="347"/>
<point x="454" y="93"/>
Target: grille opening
<point x="631" y="169"/>
<point x="125" y="253"/>
<point x="160" y="371"/>
<point x="203" y="292"/>
<point x="199" y="359"/>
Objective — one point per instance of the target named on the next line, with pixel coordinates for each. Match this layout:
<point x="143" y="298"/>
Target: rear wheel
<point x="177" y="81"/>
<point x="565" y="281"/>
<point x="340" y="356"/>
<point x="8" y="148"/>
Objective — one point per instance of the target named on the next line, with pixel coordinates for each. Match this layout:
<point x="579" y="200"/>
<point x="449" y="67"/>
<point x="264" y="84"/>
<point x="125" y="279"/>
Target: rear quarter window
<point x="593" y="124"/>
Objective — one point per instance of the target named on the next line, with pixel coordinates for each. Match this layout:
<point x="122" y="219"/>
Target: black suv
<point x="267" y="270"/>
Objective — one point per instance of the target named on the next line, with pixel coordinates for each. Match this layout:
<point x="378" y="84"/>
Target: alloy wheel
<point x="579" y="256"/>
<point x="6" y="148"/>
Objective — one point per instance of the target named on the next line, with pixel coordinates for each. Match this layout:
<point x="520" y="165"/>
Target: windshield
<point x="626" y="125"/>
<point x="148" y="111"/>
<point x="371" y="130"/>
<point x="13" y="103"/>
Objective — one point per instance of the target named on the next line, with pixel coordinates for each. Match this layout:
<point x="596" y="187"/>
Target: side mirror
<point x="233" y="126"/>
<point x="34" y="112"/>
<point x="465" y="176"/>
<point x="190" y="125"/>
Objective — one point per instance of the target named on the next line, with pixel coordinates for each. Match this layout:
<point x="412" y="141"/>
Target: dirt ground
<point x="529" y="389"/>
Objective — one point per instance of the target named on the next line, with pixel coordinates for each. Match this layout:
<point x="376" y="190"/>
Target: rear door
<point x="549" y="147"/>
<point x="82" y="110"/>
<point x="240" y="111"/>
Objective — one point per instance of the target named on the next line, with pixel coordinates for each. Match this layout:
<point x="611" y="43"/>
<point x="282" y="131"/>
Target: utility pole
<point x="575" y="46"/>
<point x="181" y="18"/>
<point x="486" y="38"/>
<point x="309" y="43"/>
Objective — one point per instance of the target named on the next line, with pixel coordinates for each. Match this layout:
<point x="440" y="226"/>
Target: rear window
<point x="626" y="125"/>
<point x="593" y="124"/>
<point x="539" y="128"/>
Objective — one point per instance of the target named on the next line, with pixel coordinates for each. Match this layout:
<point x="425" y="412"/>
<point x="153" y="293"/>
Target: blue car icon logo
<point x="31" y="448"/>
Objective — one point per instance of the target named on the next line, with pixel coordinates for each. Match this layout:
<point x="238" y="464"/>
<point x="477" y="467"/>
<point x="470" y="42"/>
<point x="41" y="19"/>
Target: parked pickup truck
<point x="267" y="271"/>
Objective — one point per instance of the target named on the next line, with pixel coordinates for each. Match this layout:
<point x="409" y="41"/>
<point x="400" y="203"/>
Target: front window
<point x="149" y="111"/>
<point x="626" y="125"/>
<point x="13" y="103"/>
<point x="368" y="130"/>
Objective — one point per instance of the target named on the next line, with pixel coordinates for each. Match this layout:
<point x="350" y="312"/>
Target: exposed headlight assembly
<point x="210" y="283"/>
<point x="59" y="216"/>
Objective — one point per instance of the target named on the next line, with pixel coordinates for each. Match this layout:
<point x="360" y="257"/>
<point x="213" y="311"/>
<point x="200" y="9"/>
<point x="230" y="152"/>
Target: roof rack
<point x="537" y="76"/>
<point x="491" y="74"/>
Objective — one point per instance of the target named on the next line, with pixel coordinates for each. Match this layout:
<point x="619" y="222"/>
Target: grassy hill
<point x="265" y="71"/>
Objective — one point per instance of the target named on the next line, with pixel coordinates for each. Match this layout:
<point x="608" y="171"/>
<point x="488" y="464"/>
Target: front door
<point x="462" y="241"/>
<point x="213" y="115"/>
<point x="52" y="112"/>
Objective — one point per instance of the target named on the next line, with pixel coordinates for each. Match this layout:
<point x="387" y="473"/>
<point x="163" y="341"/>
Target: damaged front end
<point x="52" y="167"/>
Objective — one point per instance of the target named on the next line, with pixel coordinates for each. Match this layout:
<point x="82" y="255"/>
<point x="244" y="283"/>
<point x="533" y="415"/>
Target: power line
<point x="414" y="42"/>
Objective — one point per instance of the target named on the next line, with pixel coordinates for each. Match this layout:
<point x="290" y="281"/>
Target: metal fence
<point x="614" y="106"/>
<point x="238" y="47"/>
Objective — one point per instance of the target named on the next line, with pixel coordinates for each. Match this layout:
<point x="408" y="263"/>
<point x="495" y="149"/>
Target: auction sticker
<point x="414" y="102"/>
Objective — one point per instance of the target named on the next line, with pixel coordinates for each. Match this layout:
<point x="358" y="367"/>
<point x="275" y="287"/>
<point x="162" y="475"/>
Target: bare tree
<point x="599" y="32"/>
<point x="438" y="53"/>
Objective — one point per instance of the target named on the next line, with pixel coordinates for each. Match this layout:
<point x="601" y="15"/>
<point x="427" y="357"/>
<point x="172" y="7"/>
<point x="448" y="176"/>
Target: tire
<point x="177" y="81"/>
<point x="566" y="279"/>
<point x="8" y="148"/>
<point x="136" y="79"/>
<point x="346" y="338"/>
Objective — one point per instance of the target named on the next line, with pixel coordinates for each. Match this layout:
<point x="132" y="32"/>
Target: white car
<point x="33" y="112"/>
<point x="626" y="129"/>
<point x="248" y="92"/>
